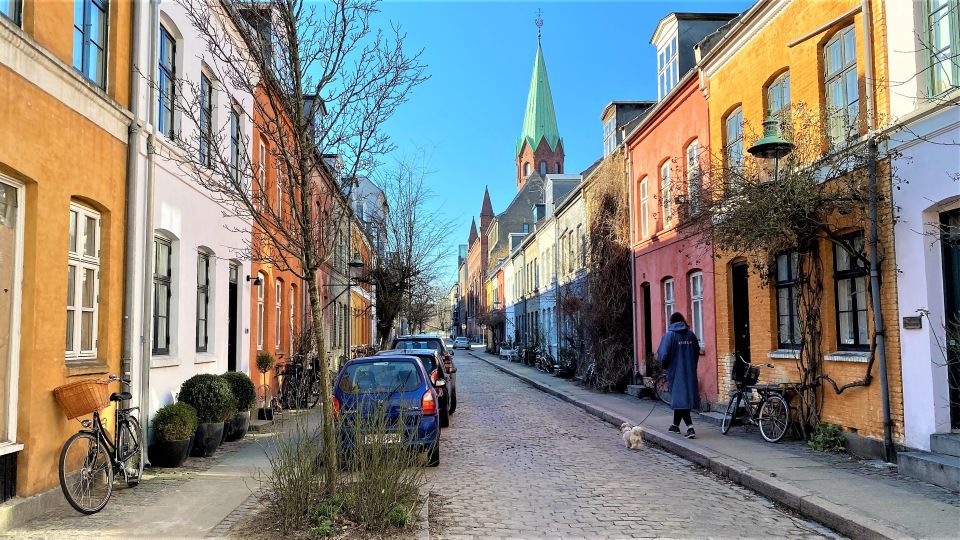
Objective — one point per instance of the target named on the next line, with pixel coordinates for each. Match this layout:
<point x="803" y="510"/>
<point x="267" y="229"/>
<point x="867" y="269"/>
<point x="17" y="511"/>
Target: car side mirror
<point x="440" y="383"/>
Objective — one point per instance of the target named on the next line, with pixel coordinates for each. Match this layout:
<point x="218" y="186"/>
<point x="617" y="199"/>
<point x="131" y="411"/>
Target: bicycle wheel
<point x="662" y="387"/>
<point x="130" y="441"/>
<point x="86" y="473"/>
<point x="315" y="391"/>
<point x="774" y="417"/>
<point x="731" y="414"/>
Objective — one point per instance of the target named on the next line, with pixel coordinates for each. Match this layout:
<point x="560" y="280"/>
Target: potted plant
<point x="242" y="389"/>
<point x="265" y="363"/>
<point x="210" y="395"/>
<point x="173" y="428"/>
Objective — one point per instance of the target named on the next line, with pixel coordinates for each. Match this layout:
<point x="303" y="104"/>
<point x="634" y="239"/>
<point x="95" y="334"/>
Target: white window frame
<point x="78" y="262"/>
<point x="696" y="304"/>
<point x="694" y="177"/>
<point x="733" y="140"/>
<point x="260" y="322"/>
<point x="293" y="312"/>
<point x="668" y="67"/>
<point x="278" y="311"/>
<point x="644" y="208"/>
<point x="8" y="443"/>
<point x="669" y="301"/>
<point x="666" y="201"/>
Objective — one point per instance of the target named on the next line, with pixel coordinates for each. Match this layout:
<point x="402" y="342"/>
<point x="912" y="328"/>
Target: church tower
<point x="539" y="149"/>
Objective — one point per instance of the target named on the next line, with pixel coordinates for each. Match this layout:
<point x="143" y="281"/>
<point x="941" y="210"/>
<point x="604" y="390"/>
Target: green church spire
<point x="540" y="121"/>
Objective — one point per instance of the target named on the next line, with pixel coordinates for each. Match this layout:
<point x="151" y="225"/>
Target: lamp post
<point x="355" y="265"/>
<point x="772" y="145"/>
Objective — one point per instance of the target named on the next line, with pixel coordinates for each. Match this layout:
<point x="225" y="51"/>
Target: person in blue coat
<point x="679" y="353"/>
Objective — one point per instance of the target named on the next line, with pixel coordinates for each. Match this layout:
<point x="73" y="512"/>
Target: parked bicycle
<point x="660" y="383"/>
<point x="300" y="383"/>
<point x="766" y="405"/>
<point x="545" y="363"/>
<point x="90" y="459"/>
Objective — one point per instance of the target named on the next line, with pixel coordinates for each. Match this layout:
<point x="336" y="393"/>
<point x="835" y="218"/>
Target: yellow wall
<point x="741" y="82"/>
<point x="61" y="156"/>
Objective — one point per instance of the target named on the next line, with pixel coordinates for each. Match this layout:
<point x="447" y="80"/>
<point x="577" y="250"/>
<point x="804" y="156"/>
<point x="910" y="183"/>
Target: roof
<point x="473" y="231"/>
<point x="487" y="208"/>
<point x="672" y="18"/>
<point x="540" y="120"/>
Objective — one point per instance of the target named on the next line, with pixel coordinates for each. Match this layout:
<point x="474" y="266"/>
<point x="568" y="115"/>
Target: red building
<point x="667" y="152"/>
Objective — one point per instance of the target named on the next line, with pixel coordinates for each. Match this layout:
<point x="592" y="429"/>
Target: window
<point x="543" y="167"/>
<point x="278" y="312"/>
<point x="558" y="168"/>
<point x="734" y="140"/>
<point x="851" y="289"/>
<point x="162" y="278"/>
<point x="167" y="77"/>
<point x="778" y="97"/>
<point x="668" y="301"/>
<point x="280" y="178"/>
<point x="234" y="142"/>
<point x="206" y="120"/>
<point x="293" y="311"/>
<point x="694" y="178"/>
<point x="261" y="176"/>
<point x="526" y="169"/>
<point x="696" y="304"/>
<point x="668" y="68"/>
<point x="666" y="203"/>
<point x="788" y="325"/>
<point x="609" y="138"/>
<point x="203" y="301"/>
<point x="83" y="283"/>
<point x="260" y="287"/>
<point x="942" y="24"/>
<point x="840" y="84"/>
<point x="644" y="209"/>
<point x="90" y="40"/>
<point x="11" y="10"/>
<point x="582" y="246"/>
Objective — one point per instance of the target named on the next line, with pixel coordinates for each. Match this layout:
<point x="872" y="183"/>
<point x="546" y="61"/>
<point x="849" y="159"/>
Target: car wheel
<point x="444" y="419"/>
<point x="453" y="402"/>
<point x="434" y="459"/>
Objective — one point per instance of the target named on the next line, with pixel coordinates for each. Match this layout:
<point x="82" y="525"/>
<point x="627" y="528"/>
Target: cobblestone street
<point x="519" y="463"/>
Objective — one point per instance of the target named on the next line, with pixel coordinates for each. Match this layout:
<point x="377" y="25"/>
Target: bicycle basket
<point x="82" y="397"/>
<point x="744" y="373"/>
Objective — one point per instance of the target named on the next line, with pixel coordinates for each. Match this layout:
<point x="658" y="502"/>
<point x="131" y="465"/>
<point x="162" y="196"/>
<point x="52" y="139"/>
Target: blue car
<point x="398" y="384"/>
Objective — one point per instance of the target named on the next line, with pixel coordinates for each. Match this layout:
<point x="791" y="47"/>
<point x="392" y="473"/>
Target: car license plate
<point x="382" y="438"/>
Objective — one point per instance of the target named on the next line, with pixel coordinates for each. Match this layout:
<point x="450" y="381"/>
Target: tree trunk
<point x="329" y="437"/>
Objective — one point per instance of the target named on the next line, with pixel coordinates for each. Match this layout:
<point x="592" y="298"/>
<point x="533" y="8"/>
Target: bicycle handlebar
<point x="117" y="378"/>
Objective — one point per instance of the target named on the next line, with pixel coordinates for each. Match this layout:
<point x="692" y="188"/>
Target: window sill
<point x="163" y="361"/>
<point x="204" y="358"/>
<point x="9" y="448"/>
<point x="848" y="356"/>
<point x="784" y="354"/>
<point x="86" y="367"/>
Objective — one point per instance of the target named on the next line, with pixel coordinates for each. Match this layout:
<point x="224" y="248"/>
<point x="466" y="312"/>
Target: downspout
<point x="147" y="283"/>
<point x="633" y="261"/>
<point x="556" y="277"/>
<point x="130" y="240"/>
<point x="889" y="452"/>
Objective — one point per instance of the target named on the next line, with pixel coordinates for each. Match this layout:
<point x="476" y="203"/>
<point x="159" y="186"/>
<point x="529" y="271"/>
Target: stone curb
<point x="423" y="518"/>
<point x="841" y="519"/>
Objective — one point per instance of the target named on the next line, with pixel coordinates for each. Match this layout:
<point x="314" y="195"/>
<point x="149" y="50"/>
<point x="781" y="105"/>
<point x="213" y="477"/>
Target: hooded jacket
<point x="679" y="353"/>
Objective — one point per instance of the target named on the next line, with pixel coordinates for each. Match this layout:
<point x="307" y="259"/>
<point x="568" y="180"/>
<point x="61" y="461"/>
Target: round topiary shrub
<point x="174" y="422"/>
<point x="210" y="395"/>
<point x="265" y="361"/>
<point x="242" y="388"/>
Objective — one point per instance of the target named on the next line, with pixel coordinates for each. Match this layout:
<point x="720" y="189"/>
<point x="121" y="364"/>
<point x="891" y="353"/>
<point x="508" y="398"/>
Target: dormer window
<point x="668" y="68"/>
<point x="609" y="136"/>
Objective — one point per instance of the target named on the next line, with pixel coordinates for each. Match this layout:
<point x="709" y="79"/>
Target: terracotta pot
<point x="169" y="453"/>
<point x="207" y="439"/>
<point x="239" y="425"/>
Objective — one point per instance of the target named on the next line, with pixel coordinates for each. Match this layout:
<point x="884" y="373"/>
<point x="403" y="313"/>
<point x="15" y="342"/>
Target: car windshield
<point x="418" y="344"/>
<point x="380" y="377"/>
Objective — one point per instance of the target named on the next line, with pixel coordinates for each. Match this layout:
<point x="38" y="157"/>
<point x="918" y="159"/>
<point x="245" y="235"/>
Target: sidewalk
<point x="855" y="498"/>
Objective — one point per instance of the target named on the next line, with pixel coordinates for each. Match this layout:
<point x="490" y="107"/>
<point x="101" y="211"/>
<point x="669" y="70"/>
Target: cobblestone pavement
<point x="519" y="463"/>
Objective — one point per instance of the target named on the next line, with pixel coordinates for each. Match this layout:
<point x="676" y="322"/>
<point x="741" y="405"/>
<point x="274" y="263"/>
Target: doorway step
<point x="940" y="466"/>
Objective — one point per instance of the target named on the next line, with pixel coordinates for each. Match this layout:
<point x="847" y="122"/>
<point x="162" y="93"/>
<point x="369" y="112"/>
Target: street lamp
<point x="772" y="145"/>
<point x="357" y="262"/>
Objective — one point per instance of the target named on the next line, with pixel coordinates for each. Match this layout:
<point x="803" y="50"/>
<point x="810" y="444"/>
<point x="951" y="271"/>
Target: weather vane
<point x="539" y="22"/>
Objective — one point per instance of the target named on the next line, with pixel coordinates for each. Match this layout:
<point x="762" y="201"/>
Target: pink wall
<point x="669" y="252"/>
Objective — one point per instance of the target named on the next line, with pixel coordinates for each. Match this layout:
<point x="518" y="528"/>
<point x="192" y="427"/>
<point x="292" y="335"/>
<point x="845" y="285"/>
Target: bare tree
<point x="324" y="81"/>
<point x="415" y="244"/>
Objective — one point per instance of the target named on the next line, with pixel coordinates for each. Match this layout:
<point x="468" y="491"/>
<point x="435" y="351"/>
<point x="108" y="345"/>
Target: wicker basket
<point x="82" y="397"/>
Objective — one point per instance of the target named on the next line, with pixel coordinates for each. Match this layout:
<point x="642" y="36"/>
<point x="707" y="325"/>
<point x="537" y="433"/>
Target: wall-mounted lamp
<point x="256" y="281"/>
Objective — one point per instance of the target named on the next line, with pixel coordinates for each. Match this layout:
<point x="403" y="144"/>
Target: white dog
<point x="632" y="437"/>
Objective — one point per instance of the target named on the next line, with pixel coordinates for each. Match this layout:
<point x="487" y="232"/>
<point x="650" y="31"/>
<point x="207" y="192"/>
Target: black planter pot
<point x="170" y="453"/>
<point x="239" y="425"/>
<point x="207" y="439"/>
<point x="265" y="413"/>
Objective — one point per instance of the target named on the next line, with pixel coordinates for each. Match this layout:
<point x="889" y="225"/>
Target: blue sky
<point x="466" y="119"/>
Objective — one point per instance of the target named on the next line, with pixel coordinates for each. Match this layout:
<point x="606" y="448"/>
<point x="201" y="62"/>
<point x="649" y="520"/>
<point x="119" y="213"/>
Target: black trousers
<point x="682" y="414"/>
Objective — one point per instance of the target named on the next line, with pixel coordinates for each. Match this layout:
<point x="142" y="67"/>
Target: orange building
<point x="818" y="54"/>
<point x="63" y="185"/>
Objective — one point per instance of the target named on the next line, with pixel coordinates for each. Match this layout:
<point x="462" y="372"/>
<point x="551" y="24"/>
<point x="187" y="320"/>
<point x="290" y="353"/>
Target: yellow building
<point x="64" y="78"/>
<point x="824" y="56"/>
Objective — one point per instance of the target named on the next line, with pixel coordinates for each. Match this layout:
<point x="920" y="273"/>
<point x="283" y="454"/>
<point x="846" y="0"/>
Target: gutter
<point x="889" y="452"/>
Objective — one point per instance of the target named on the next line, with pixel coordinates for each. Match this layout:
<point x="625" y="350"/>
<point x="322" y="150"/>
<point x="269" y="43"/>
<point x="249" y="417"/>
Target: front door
<point x="950" y="240"/>
<point x="232" y="318"/>
<point x="741" y="310"/>
<point x="647" y="325"/>
<point x="11" y="252"/>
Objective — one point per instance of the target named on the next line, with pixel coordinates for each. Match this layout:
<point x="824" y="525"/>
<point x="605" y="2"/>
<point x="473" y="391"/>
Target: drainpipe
<point x="633" y="262"/>
<point x="556" y="276"/>
<point x="133" y="162"/>
<point x="147" y="283"/>
<point x="889" y="452"/>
